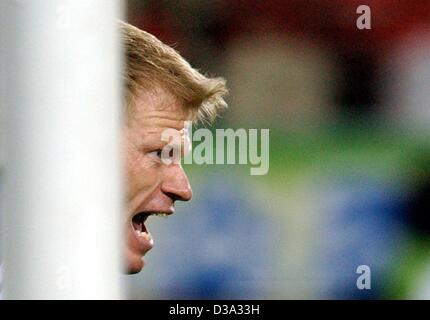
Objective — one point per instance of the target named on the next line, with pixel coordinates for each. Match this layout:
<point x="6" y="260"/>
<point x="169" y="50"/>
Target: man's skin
<point x="152" y="186"/>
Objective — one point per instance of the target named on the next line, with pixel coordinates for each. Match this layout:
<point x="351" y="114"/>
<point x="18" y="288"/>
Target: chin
<point x="134" y="265"/>
<point x="139" y="242"/>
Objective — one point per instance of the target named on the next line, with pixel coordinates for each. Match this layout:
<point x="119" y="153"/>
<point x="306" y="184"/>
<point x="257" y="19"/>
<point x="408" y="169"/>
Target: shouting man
<point x="162" y="92"/>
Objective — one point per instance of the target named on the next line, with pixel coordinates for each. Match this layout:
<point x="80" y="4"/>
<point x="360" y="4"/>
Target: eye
<point x="156" y="153"/>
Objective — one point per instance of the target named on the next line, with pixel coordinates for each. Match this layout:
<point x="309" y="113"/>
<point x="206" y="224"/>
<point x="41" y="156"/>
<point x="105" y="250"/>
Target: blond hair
<point x="151" y="64"/>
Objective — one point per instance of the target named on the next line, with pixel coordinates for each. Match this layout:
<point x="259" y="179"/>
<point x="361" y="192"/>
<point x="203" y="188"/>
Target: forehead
<point x="158" y="108"/>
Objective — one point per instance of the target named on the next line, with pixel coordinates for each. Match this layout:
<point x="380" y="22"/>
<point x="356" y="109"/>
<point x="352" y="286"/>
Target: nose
<point x="176" y="184"/>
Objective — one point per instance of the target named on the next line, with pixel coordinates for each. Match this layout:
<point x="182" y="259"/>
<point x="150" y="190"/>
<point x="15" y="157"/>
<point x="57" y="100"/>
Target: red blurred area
<point x="328" y="20"/>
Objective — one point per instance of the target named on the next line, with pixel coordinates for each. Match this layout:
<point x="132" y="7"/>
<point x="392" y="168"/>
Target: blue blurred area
<point x="364" y="226"/>
<point x="216" y="248"/>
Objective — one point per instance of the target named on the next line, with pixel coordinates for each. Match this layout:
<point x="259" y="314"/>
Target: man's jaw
<point x="140" y="240"/>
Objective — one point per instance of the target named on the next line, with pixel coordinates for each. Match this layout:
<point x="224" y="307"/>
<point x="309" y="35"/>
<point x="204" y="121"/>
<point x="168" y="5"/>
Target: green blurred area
<point x="385" y="152"/>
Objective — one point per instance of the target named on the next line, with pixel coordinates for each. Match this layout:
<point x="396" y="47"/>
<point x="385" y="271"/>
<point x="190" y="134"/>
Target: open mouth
<point x="139" y="238"/>
<point x="139" y="220"/>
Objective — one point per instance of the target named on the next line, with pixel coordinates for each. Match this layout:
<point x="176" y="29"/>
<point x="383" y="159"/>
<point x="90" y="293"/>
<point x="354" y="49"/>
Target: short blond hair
<point x="151" y="64"/>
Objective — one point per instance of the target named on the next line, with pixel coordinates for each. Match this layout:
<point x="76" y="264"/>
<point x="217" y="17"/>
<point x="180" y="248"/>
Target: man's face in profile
<point x="152" y="186"/>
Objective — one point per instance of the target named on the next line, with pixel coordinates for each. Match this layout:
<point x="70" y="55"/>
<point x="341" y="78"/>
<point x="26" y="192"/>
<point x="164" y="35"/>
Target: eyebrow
<point x="159" y="143"/>
<point x="163" y="124"/>
<point x="168" y="115"/>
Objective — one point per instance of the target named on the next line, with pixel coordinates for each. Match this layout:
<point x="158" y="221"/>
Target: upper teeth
<point x="160" y="214"/>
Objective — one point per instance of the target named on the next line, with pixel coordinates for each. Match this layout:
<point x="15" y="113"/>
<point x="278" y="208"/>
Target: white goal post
<point x="61" y="96"/>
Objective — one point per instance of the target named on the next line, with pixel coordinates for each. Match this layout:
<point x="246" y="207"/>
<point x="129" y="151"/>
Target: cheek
<point x="135" y="169"/>
<point x="141" y="172"/>
<point x="133" y="161"/>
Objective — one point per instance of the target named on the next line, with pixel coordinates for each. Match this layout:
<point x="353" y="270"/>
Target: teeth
<point x="149" y="238"/>
<point x="145" y="235"/>
<point x="140" y="233"/>
<point x="164" y="215"/>
<point x="140" y="219"/>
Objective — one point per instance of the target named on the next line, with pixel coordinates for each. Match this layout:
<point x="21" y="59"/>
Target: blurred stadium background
<point x="349" y="181"/>
<point x="349" y="178"/>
